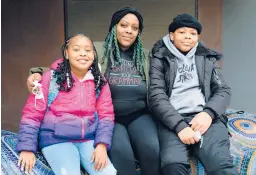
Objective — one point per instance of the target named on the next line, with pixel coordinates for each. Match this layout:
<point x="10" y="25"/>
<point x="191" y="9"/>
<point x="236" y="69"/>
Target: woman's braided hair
<point x="112" y="50"/>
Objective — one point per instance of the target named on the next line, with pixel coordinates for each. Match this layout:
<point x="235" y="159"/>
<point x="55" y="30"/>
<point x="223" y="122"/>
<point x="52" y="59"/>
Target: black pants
<point x="138" y="140"/>
<point x="214" y="153"/>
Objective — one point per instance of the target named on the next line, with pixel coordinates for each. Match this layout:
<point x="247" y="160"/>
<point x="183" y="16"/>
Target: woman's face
<point x="80" y="54"/>
<point x="127" y="31"/>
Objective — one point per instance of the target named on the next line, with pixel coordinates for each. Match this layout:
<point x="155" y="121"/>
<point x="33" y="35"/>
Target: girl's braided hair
<point x="63" y="71"/>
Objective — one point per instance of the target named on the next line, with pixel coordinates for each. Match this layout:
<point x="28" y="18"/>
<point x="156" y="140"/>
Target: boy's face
<point x="184" y="38"/>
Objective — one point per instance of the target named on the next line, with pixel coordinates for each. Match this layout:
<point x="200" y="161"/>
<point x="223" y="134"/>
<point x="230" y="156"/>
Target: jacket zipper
<point x="203" y="76"/>
<point x="82" y="101"/>
<point x="200" y="79"/>
<point x="82" y="96"/>
<point x="174" y="72"/>
<point x="82" y="128"/>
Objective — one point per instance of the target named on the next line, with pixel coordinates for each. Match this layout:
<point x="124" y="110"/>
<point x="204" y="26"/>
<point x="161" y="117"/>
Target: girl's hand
<point x="100" y="157"/>
<point x="27" y="161"/>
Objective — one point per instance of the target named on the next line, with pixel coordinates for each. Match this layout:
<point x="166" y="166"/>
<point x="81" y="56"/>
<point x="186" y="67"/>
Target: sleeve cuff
<point x="104" y="141"/>
<point x="37" y="70"/>
<point x="26" y="147"/>
<point x="180" y="126"/>
<point x="210" y="112"/>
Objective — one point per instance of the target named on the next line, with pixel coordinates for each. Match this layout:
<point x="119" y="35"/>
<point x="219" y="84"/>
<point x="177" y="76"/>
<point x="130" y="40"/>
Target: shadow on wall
<point x="32" y="33"/>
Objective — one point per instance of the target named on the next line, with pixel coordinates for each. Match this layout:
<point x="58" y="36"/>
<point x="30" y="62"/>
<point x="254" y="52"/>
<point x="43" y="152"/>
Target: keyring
<point x="35" y="90"/>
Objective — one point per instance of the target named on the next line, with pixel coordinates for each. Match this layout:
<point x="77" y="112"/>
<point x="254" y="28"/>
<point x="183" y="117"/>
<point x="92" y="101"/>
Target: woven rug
<point x="242" y="127"/>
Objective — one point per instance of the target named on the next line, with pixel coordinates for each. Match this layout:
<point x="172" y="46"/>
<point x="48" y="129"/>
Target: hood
<point x="55" y="63"/>
<point x="160" y="50"/>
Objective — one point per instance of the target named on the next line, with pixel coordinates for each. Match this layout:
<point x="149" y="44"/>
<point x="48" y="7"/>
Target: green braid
<point x="111" y="48"/>
<point x="118" y="57"/>
<point x="138" y="55"/>
<point x="107" y="46"/>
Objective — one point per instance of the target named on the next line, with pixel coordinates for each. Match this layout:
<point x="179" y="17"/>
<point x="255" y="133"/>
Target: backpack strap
<point x="53" y="90"/>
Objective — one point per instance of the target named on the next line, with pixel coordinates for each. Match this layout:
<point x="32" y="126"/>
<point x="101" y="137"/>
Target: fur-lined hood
<point x="160" y="50"/>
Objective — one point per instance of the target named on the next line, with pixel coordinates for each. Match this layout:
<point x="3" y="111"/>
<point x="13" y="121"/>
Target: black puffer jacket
<point x="163" y="68"/>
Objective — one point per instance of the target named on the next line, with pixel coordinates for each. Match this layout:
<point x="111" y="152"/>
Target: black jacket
<point x="163" y="68"/>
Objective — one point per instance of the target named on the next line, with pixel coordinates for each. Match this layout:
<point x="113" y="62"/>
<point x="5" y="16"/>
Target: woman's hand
<point x="31" y="79"/>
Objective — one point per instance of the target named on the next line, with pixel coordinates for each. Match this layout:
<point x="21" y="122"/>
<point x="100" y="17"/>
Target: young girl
<point x="78" y="125"/>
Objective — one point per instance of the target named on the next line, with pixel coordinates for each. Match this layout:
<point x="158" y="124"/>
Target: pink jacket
<point x="70" y="117"/>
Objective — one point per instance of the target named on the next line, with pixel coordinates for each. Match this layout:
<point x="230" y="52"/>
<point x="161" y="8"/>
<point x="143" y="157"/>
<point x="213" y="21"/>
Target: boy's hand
<point x="187" y="136"/>
<point x="31" y="79"/>
<point x="27" y="161"/>
<point x="100" y="157"/>
<point x="201" y="122"/>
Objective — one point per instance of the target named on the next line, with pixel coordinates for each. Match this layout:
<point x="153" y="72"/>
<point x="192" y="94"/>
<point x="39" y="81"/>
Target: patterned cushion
<point x="243" y="143"/>
<point x="242" y="127"/>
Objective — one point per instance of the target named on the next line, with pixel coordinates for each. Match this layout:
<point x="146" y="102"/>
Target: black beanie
<point x="185" y="20"/>
<point x="118" y="15"/>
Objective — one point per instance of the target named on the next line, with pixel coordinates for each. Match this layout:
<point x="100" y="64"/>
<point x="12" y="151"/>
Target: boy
<point x="188" y="95"/>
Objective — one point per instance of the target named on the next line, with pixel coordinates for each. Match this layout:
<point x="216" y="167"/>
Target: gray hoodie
<point x="186" y="96"/>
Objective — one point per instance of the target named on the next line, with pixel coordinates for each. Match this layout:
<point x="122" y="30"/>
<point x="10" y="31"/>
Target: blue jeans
<point x="65" y="159"/>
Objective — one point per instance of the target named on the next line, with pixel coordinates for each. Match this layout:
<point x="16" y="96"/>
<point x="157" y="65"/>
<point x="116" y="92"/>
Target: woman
<point x="125" y="67"/>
